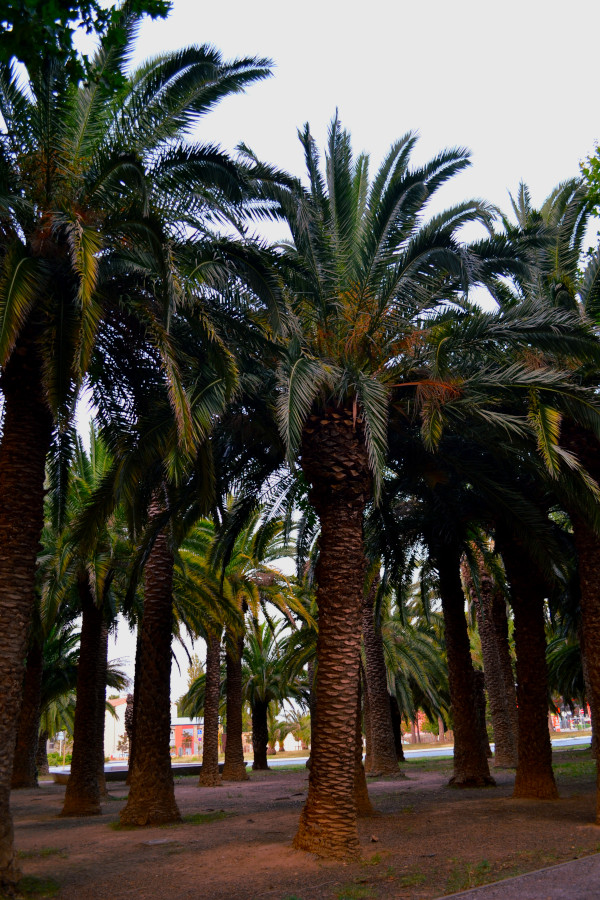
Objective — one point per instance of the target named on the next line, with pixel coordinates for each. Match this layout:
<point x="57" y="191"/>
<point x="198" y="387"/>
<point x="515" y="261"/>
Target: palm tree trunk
<point x="26" y="434"/>
<point x="367" y="716"/>
<point x="101" y="709"/>
<point x="588" y="693"/>
<point x="335" y="463"/>
<point x="397" y="727"/>
<point x="234" y="768"/>
<point x="82" y="795"/>
<point x="134" y="700"/>
<point x="312" y="703"/>
<point x="587" y="449"/>
<point x="42" y="754"/>
<point x="588" y="555"/>
<point x="260" y="734"/>
<point x="470" y="761"/>
<point x="364" y="807"/>
<point x="25" y="769"/>
<point x="151" y="799"/>
<point x="383" y="752"/>
<point x="500" y="617"/>
<point x="505" y="744"/>
<point x="534" y="778"/>
<point x="209" y="776"/>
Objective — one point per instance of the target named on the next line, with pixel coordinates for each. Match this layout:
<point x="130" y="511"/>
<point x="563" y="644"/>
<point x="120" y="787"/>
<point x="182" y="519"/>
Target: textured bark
<point x="101" y="709"/>
<point x="481" y="710"/>
<point x="27" y="429"/>
<point x="260" y="734"/>
<point x="25" y="773"/>
<point x="505" y="743"/>
<point x="234" y="768"/>
<point x="587" y="448"/>
<point x="470" y="761"/>
<point x="397" y="728"/>
<point x="534" y="777"/>
<point x="501" y="625"/>
<point x="383" y="759"/>
<point x="134" y="702"/>
<point x="367" y="718"/>
<point x="209" y="776"/>
<point x="312" y="703"/>
<point x="335" y="463"/>
<point x="82" y="795"/>
<point x="41" y="757"/>
<point x="589" y="696"/>
<point x="151" y="799"/>
<point x="364" y="806"/>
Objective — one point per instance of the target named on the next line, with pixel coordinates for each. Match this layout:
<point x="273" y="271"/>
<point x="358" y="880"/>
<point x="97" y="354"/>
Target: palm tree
<point x="360" y="267"/>
<point x="265" y="680"/>
<point x="77" y="167"/>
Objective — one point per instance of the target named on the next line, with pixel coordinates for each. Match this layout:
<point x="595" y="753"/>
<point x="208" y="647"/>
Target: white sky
<point x="515" y="82"/>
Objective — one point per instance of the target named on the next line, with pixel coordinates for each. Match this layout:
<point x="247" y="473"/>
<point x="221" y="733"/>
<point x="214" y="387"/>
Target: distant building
<point x="114" y="727"/>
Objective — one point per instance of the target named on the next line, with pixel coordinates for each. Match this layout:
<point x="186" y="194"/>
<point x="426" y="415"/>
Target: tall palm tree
<point x="361" y="266"/>
<point x="77" y="166"/>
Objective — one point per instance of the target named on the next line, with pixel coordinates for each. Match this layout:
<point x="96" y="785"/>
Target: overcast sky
<point x="514" y="82"/>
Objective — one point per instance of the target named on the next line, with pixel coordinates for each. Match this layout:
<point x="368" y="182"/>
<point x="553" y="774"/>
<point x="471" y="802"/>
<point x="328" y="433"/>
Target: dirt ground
<point x="427" y="840"/>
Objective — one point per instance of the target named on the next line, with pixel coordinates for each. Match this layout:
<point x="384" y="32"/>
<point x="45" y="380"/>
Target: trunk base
<point x="209" y="780"/>
<point x="471" y="781"/>
<point x="235" y="773"/>
<point x="158" y="811"/>
<point x="77" y="807"/>
<point x="535" y="786"/>
<point x="260" y="767"/>
<point x="505" y="762"/>
<point x="325" y="835"/>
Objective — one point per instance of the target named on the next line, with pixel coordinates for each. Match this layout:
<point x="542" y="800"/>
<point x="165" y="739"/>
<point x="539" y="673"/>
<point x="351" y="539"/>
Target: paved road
<point x="578" y="879"/>
<point x="418" y="753"/>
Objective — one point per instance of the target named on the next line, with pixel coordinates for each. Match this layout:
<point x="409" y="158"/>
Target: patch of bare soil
<point x="427" y="839"/>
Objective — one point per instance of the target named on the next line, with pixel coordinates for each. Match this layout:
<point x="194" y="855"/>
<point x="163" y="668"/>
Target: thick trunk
<point x="134" y="700"/>
<point x="367" y="717"/>
<point x="383" y="759"/>
<point x="82" y="795"/>
<point x="335" y="462"/>
<point x="41" y="757"/>
<point x="589" y="695"/>
<point x="534" y="777"/>
<point x="481" y="710"/>
<point x="364" y="806"/>
<point x="260" y="734"/>
<point x="500" y="617"/>
<point x="397" y="728"/>
<point x="209" y="776"/>
<point x="27" y="429"/>
<point x="25" y="769"/>
<point x="505" y="752"/>
<point x="470" y="761"/>
<point x="588" y="554"/>
<point x="151" y="799"/>
<point x="101" y="709"/>
<point x="312" y="703"/>
<point x="234" y="768"/>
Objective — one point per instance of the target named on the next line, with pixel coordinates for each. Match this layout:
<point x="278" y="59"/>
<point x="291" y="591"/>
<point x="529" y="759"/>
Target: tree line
<point x="342" y="382"/>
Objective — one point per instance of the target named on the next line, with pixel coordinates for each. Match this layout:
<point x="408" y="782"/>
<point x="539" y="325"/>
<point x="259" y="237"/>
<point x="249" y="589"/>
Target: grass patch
<point x="412" y="879"/>
<point x="372" y="861"/>
<point x="203" y="818"/>
<point x="355" y="892"/>
<point x="114" y="797"/>
<point x="578" y="764"/>
<point x="30" y="886"/>
<point x="43" y="853"/>
<point x="116" y="826"/>
<point x="464" y="875"/>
